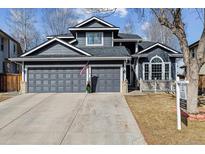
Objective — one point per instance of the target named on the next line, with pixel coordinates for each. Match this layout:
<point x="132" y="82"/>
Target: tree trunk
<point x="192" y="92"/>
<point x="191" y="75"/>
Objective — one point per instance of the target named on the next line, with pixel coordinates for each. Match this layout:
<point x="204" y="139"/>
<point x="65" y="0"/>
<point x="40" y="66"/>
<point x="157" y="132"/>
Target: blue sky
<point x="193" y="24"/>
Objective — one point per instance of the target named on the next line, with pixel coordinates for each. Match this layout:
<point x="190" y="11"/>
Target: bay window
<point x="156" y="69"/>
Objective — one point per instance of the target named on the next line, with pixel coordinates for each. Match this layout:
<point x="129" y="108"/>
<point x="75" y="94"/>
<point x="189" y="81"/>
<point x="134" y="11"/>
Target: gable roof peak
<point x="52" y="40"/>
<point x="94" y="18"/>
<point x="154" y="44"/>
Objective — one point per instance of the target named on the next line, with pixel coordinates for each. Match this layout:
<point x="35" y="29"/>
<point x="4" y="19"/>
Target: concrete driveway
<point x="68" y="119"/>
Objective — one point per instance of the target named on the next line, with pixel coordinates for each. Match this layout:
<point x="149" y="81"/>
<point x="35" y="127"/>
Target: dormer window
<point x="94" y="38"/>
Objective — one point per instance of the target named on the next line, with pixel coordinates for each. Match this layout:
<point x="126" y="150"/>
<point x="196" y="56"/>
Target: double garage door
<point x="67" y="79"/>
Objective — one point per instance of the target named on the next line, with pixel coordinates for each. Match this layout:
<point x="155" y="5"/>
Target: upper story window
<point x="94" y="38"/>
<point x="1" y="43"/>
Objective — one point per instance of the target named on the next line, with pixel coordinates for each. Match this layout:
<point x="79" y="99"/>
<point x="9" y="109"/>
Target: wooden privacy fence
<point x="10" y="82"/>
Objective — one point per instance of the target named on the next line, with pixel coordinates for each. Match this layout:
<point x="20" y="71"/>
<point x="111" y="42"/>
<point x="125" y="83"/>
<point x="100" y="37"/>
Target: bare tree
<point x="22" y="26"/>
<point x="129" y="27"/>
<point x="156" y="32"/>
<point x="101" y="12"/>
<point x="57" y="21"/>
<point x="173" y="20"/>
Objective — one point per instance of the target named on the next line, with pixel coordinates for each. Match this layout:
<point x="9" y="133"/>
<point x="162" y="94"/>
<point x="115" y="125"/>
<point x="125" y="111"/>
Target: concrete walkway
<point x="68" y="119"/>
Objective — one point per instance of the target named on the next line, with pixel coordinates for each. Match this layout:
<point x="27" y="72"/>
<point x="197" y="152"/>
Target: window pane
<point x="166" y="72"/>
<point x="156" y="60"/>
<point x="157" y="71"/>
<point x="146" y="71"/>
<point x="94" y="38"/>
<point x="90" y="38"/>
<point x="98" y="38"/>
<point x="146" y="76"/>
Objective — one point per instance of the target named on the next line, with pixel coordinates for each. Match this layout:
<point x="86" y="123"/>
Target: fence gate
<point x="181" y="99"/>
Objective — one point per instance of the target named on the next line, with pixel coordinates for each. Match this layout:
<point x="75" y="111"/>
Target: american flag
<point x="84" y="69"/>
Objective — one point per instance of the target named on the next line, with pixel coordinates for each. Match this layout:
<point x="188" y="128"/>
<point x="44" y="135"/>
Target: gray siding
<point x="107" y="40"/>
<point x="56" y="49"/>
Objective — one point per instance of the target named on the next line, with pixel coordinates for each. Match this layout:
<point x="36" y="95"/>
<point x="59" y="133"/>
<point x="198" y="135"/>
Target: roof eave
<point x="69" y="59"/>
<point x="61" y="37"/>
<point x="161" y="45"/>
<point x="127" y="40"/>
<point x="93" y="29"/>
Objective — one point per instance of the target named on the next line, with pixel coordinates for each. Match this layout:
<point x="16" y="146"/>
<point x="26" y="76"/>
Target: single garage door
<point x="105" y="79"/>
<point x="42" y="80"/>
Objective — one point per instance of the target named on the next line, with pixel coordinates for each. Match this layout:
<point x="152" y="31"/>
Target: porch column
<point x="22" y="72"/>
<point x="23" y="79"/>
<point x="124" y="82"/>
<point x="124" y="71"/>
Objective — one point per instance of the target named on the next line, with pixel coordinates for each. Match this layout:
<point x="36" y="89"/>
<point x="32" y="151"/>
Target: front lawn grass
<point x="156" y="116"/>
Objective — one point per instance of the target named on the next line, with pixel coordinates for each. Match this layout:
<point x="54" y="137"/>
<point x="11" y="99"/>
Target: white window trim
<point x="150" y="68"/>
<point x="86" y="38"/>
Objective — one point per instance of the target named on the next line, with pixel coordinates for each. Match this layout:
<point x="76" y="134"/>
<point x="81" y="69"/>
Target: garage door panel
<point x="56" y="80"/>
<point x="106" y="79"/>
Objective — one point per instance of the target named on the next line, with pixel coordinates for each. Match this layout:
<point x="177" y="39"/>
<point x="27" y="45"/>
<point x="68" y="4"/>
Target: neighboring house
<point x="95" y="52"/>
<point x="193" y="48"/>
<point x="9" y="48"/>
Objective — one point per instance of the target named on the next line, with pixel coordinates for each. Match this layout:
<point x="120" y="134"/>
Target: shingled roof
<point x="128" y="36"/>
<point x="116" y="51"/>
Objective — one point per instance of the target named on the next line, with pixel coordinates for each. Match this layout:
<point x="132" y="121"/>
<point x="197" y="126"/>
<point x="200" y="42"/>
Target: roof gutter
<point x="69" y="59"/>
<point x="85" y="29"/>
<point x="62" y="37"/>
<point x="127" y="40"/>
<point x="170" y="55"/>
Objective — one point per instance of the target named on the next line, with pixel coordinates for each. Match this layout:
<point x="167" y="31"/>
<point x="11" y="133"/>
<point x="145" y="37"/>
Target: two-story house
<point x="9" y="48"/>
<point x="95" y="52"/>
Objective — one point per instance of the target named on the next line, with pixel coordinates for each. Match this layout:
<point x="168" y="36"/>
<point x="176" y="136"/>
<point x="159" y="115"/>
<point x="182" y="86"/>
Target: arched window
<point x="156" y="69"/>
<point x="156" y="60"/>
